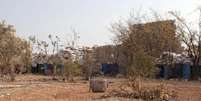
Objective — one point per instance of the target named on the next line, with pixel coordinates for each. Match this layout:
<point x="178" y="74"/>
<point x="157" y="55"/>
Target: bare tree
<point x="191" y="39"/>
<point x="53" y="55"/>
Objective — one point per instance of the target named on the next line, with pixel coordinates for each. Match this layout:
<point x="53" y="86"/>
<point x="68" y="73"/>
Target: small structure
<point x="173" y="65"/>
<point x="110" y="69"/>
<point x="46" y="64"/>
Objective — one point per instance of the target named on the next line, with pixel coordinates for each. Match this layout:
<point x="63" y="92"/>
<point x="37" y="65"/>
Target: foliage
<point x="27" y="56"/>
<point x="159" y="35"/>
<point x="87" y="63"/>
<point x="142" y="42"/>
<point x="71" y="70"/>
<point x="142" y="66"/>
<point x="12" y="48"/>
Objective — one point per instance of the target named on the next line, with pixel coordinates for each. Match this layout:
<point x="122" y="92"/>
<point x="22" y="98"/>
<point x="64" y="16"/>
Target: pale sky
<point x="91" y="18"/>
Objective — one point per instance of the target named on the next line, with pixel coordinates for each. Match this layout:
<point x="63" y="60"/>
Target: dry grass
<point x="40" y="88"/>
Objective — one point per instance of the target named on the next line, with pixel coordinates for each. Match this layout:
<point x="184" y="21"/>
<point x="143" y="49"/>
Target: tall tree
<point x="11" y="47"/>
<point x="139" y="38"/>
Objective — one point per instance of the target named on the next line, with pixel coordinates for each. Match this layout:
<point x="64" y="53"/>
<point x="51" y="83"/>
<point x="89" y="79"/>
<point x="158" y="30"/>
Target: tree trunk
<point x="139" y="82"/>
<point x="54" y="71"/>
<point x="12" y="73"/>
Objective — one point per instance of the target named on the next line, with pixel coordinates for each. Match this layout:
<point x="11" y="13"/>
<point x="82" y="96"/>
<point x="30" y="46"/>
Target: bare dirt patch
<point x="42" y="88"/>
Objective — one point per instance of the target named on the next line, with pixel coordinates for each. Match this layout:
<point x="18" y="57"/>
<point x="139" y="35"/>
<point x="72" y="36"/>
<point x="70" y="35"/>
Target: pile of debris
<point x="158" y="93"/>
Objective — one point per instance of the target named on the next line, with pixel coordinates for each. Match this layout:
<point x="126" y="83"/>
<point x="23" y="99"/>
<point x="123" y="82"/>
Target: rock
<point x="98" y="85"/>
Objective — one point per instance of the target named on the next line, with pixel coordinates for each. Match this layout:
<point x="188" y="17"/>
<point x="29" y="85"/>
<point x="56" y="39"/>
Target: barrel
<point x="166" y="72"/>
<point x="98" y="85"/>
<point x="186" y="71"/>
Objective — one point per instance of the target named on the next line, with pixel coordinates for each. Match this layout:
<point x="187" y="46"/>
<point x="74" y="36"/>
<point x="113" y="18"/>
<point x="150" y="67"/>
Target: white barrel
<point x="98" y="85"/>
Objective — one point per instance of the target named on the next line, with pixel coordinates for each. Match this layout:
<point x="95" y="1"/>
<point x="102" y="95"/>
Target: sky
<point x="90" y="18"/>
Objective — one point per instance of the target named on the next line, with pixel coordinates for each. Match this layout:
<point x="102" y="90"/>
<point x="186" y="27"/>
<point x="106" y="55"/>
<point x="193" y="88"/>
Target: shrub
<point x="71" y="70"/>
<point x="141" y="66"/>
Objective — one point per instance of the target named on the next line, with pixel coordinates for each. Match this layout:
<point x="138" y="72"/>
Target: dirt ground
<point x="42" y="88"/>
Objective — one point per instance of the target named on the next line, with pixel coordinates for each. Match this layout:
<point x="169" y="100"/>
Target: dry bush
<point x="146" y="93"/>
<point x="158" y="93"/>
<point x="12" y="49"/>
<point x="71" y="70"/>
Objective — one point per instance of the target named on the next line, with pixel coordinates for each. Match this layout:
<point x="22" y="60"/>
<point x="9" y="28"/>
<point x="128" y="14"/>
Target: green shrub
<point x="71" y="70"/>
<point x="141" y="66"/>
